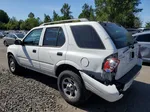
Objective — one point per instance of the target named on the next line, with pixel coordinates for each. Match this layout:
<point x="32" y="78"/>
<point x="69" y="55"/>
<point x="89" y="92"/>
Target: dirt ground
<point x="137" y="99"/>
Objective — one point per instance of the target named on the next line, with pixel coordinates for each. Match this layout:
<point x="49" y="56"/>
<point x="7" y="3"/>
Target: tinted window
<point x="86" y="37"/>
<point x="54" y="37"/>
<point x="144" y="38"/>
<point x="119" y="35"/>
<point x="12" y="36"/>
<point x="146" y="30"/>
<point x="20" y="35"/>
<point x="60" y="38"/>
<point x="33" y="37"/>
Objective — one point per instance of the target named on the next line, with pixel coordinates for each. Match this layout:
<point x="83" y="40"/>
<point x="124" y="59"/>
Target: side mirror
<point x="18" y="42"/>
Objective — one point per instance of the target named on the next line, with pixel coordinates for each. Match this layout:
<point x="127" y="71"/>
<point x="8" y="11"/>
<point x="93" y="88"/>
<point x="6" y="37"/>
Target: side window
<point x="33" y="37"/>
<point x="7" y="35"/>
<point x="54" y="37"/>
<point x="10" y="35"/>
<point x="13" y="36"/>
<point x="86" y="37"/>
<point x="144" y="38"/>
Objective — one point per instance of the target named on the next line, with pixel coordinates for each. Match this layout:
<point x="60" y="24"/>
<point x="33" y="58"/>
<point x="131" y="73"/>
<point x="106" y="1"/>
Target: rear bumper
<point x="146" y="60"/>
<point x="113" y="92"/>
<point x="124" y="82"/>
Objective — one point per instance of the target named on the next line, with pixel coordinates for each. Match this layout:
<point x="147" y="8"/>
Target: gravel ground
<point x="19" y="94"/>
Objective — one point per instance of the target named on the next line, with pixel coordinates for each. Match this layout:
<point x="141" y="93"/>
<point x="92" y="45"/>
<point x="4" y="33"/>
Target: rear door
<point x="53" y="49"/>
<point x="12" y="39"/>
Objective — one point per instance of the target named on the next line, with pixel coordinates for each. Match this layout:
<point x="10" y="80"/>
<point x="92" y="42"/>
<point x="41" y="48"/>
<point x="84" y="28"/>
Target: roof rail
<point x="65" y="21"/>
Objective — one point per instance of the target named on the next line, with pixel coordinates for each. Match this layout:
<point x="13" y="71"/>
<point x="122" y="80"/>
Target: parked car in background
<point x="143" y="39"/>
<point x="143" y="29"/>
<point x="133" y="30"/>
<point x="1" y="35"/>
<point x="9" y="39"/>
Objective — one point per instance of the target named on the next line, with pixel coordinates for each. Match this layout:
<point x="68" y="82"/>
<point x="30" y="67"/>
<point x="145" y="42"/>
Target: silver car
<point x="1" y="35"/>
<point x="10" y="38"/>
<point x="144" y="41"/>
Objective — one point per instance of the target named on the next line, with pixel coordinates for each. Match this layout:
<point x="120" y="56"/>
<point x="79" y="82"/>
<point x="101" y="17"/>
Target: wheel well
<point x="9" y="53"/>
<point x="66" y="67"/>
<point x="4" y="41"/>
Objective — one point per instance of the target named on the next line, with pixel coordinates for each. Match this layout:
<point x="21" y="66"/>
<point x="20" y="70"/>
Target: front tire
<point x="13" y="65"/>
<point x="72" y="88"/>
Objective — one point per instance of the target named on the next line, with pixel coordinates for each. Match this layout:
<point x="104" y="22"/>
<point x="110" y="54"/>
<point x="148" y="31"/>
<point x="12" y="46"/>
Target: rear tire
<point x="72" y="88"/>
<point x="5" y="43"/>
<point x="13" y="65"/>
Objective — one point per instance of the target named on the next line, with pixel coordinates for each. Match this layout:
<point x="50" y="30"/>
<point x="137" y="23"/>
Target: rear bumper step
<point x="120" y="83"/>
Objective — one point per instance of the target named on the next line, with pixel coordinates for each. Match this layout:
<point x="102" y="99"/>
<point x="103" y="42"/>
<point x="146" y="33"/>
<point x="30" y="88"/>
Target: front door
<point x="29" y="51"/>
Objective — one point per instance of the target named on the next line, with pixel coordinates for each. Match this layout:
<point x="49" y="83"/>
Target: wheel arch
<point x="67" y="66"/>
<point x="9" y="53"/>
<point x="13" y="54"/>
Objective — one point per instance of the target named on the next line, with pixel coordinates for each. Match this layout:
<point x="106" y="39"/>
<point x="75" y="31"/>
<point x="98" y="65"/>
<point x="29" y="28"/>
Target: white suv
<point x="100" y="57"/>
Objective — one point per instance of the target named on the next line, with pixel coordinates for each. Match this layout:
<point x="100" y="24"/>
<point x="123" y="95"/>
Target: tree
<point x="87" y="12"/>
<point x="13" y="24"/>
<point x="31" y="15"/>
<point x="3" y="17"/>
<point x="31" y="23"/>
<point x="3" y="26"/>
<point x="23" y="26"/>
<point x="47" y="18"/>
<point x="92" y="15"/>
<point x="119" y="11"/>
<point x="137" y="23"/>
<point x="147" y="25"/>
<point x="65" y="10"/>
<point x="56" y="17"/>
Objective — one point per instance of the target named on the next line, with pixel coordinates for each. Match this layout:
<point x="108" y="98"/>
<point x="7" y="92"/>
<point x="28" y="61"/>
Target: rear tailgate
<point x="128" y="57"/>
<point x="125" y="46"/>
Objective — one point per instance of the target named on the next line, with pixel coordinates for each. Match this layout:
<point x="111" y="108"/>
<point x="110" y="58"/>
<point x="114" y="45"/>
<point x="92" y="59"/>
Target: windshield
<point x="20" y="35"/>
<point x="119" y="35"/>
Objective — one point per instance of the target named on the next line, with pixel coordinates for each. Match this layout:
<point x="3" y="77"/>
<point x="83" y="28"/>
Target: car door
<point x="12" y="39"/>
<point x="53" y="49"/>
<point x="29" y="51"/>
<point x="144" y="41"/>
<point x="8" y="39"/>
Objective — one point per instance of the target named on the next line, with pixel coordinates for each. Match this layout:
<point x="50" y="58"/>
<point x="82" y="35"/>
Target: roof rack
<point x="65" y="21"/>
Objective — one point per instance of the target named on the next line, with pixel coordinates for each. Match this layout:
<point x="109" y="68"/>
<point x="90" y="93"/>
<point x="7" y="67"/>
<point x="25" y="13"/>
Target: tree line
<point x="123" y="12"/>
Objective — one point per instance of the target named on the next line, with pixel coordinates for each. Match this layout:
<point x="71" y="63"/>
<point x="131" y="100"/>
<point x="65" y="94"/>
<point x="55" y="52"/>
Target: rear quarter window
<point x="86" y="37"/>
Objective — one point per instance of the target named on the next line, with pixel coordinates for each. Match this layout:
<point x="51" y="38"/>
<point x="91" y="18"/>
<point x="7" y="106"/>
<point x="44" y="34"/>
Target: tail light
<point x="110" y="65"/>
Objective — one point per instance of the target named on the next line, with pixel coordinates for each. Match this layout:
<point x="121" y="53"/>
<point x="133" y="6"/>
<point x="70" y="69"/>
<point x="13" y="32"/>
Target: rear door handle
<point x="59" y="53"/>
<point x="34" y="51"/>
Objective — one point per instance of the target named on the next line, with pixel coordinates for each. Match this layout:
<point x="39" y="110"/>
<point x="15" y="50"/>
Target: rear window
<point x="20" y="35"/>
<point x="86" y="37"/>
<point x="119" y="35"/>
